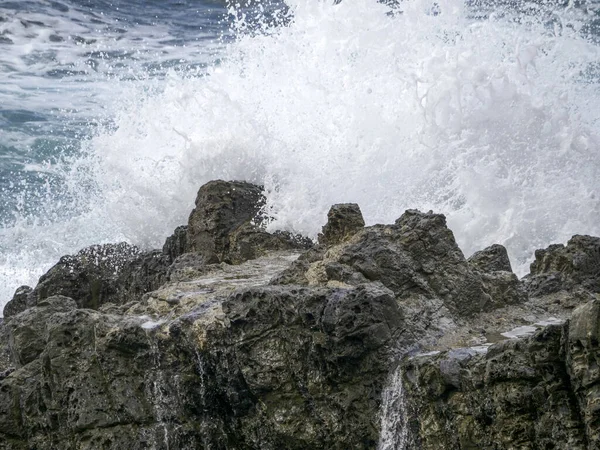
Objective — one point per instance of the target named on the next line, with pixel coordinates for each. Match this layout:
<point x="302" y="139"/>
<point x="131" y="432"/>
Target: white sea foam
<point x="492" y="122"/>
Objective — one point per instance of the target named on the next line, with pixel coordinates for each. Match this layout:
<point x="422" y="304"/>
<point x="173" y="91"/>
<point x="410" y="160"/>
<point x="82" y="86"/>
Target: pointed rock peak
<point x="221" y="207"/>
<point x="343" y="220"/>
<point x="491" y="259"/>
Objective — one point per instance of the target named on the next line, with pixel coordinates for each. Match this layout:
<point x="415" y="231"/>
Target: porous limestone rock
<point x="499" y="282"/>
<point x="517" y="395"/>
<point x="415" y="257"/>
<point x="224" y="340"/>
<point x="343" y="220"/>
<point x="566" y="268"/>
<point x="227" y="224"/>
<point x="491" y="259"/>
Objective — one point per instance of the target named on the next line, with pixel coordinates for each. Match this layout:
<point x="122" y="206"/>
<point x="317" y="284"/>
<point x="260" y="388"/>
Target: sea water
<point x="112" y="114"/>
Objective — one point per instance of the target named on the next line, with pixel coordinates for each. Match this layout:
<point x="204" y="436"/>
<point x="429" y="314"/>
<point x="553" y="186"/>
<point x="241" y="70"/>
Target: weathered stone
<point x="315" y="379"/>
<point x="89" y="277"/>
<point x="143" y="274"/>
<point x="503" y="288"/>
<point x="417" y="256"/>
<point x="22" y="300"/>
<point x="491" y="259"/>
<point x="187" y="267"/>
<point x="214" y="357"/>
<point x="499" y="282"/>
<point x="583" y="356"/>
<point x="28" y="330"/>
<point x="518" y="395"/>
<point x="176" y="244"/>
<point x="221" y="208"/>
<point x="226" y="225"/>
<point x="306" y="365"/>
<point x="559" y="267"/>
<point x="343" y="221"/>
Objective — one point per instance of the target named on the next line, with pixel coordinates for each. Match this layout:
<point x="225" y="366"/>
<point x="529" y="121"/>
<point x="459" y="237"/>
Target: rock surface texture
<point x="232" y="337"/>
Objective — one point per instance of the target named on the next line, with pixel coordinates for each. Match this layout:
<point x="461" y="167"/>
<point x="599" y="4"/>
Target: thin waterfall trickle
<point x="394" y="414"/>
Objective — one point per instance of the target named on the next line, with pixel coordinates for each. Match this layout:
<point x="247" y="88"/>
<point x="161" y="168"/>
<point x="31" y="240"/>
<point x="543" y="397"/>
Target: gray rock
<point x="491" y="259"/>
<point x="22" y="299"/>
<point x="499" y="282"/>
<point x="221" y="208"/>
<point x="227" y="224"/>
<point x="417" y="256"/>
<point x="566" y="268"/>
<point x="343" y="220"/>
<point x="176" y="244"/>
<point x="583" y="362"/>
<point x="518" y="395"/>
<point x="147" y="272"/>
<point x="89" y="277"/>
<point x="217" y="359"/>
<point x="28" y="330"/>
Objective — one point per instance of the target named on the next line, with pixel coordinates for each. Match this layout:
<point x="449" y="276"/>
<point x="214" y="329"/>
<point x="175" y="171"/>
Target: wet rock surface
<point x="232" y="337"/>
<point x="572" y="267"/>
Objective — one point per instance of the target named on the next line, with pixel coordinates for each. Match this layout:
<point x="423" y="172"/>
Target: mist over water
<point x="487" y="115"/>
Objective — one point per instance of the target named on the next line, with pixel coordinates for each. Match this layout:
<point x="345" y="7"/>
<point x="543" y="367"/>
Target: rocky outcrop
<point x="499" y="282"/>
<point x="537" y="392"/>
<point x="417" y="258"/>
<point x="266" y="367"/>
<point x="227" y="224"/>
<point x="231" y="337"/>
<point x="96" y="275"/>
<point x="572" y="267"/>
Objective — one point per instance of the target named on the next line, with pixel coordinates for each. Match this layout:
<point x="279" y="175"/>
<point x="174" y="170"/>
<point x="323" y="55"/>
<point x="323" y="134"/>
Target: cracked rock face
<point x="231" y="337"/>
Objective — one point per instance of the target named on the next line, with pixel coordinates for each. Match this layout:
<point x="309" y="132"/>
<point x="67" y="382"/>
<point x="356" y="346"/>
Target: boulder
<point x="176" y="244"/>
<point x="499" y="282"/>
<point x="491" y="259"/>
<point x="566" y="268"/>
<point x="415" y="257"/>
<point x="517" y="395"/>
<point x="22" y="299"/>
<point x="227" y="224"/>
<point x="583" y="363"/>
<point x="89" y="277"/>
<point x="343" y="221"/>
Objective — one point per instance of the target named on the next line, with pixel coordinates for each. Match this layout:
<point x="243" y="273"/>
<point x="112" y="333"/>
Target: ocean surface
<point x="113" y="113"/>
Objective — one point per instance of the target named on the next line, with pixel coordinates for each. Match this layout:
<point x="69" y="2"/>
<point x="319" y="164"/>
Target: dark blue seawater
<point x="60" y="63"/>
<point x="113" y="113"/>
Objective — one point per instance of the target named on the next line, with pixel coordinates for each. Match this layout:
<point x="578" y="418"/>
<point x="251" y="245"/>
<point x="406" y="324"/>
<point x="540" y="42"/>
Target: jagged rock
<point x="583" y="362"/>
<point x="226" y="225"/>
<point x="268" y="367"/>
<point x="145" y="273"/>
<point x="503" y="288"/>
<point x="499" y="282"/>
<point x="28" y="330"/>
<point x="315" y="379"/>
<point x="491" y="259"/>
<point x="221" y="208"/>
<point x="214" y="357"/>
<point x="89" y="277"/>
<point x="343" y="221"/>
<point x="559" y="267"/>
<point x="22" y="299"/>
<point x="417" y="256"/>
<point x="176" y="244"/>
<point x="249" y="242"/>
<point x="187" y="267"/>
<point x="518" y="395"/>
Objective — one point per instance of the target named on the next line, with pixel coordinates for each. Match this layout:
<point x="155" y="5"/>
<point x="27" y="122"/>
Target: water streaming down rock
<point x="220" y="357"/>
<point x="394" y="434"/>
